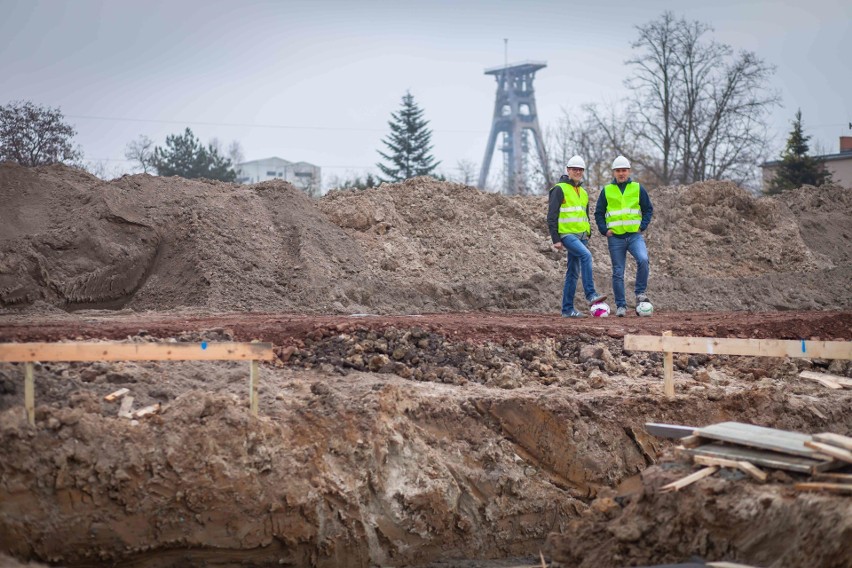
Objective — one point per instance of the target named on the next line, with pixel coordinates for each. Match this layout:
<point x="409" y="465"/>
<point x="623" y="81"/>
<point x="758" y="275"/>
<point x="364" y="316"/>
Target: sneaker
<point x="597" y="298"/>
<point x="574" y="314"/>
<point x="641" y="298"/>
<point x="621" y="311"/>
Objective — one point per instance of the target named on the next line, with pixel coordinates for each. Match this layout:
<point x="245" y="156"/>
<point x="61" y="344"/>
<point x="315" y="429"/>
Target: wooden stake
<point x="668" y="370"/>
<point x="845" y="488"/>
<point x="29" y="393"/>
<point x="253" y="379"/>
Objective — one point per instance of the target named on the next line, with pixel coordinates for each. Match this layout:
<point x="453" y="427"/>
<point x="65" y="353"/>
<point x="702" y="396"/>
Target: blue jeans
<point x="579" y="262"/>
<point x="634" y="243"/>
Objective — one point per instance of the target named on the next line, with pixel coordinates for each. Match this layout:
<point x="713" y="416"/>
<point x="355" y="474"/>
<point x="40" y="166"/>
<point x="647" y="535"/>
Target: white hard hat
<point x="576" y="162"/>
<point x="620" y="162"/>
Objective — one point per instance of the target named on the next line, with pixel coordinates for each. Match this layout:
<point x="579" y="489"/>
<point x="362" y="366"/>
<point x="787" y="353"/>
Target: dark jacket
<point x="644" y="205"/>
<point x="553" y="205"/>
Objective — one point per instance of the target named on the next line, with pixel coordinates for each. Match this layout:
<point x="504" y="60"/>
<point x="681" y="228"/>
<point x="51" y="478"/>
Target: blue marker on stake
<point x="803" y="346"/>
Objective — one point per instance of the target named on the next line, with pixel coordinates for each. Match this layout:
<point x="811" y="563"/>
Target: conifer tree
<point x="185" y="156"/>
<point x="409" y="144"/>
<point x="797" y="168"/>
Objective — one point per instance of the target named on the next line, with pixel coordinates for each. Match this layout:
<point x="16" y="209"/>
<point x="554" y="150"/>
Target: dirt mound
<point x="71" y="241"/>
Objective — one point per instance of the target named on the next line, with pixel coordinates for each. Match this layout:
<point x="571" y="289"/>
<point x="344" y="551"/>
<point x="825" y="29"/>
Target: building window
<point x="270" y="174"/>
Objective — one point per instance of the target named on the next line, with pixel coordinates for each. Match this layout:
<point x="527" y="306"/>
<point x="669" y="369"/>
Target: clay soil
<point x="427" y="405"/>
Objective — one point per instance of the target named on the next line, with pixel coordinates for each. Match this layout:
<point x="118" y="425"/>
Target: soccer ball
<point x="600" y="310"/>
<point x="644" y="309"/>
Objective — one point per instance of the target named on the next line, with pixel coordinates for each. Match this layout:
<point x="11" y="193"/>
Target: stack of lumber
<point x="749" y="448"/>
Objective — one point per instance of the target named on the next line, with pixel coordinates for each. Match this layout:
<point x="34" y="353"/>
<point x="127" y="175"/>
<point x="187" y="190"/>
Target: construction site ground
<point x="427" y="405"/>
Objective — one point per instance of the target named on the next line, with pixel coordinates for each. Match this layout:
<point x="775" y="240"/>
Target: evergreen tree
<point x="409" y="144"/>
<point x="185" y="156"/>
<point x="797" y="168"/>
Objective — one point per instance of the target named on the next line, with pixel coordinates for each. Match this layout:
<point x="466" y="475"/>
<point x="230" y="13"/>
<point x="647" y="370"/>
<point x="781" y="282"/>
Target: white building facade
<point x="303" y="175"/>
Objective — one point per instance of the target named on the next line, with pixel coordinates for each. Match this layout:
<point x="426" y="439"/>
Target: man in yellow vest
<point x="568" y="225"/>
<point x="623" y="212"/>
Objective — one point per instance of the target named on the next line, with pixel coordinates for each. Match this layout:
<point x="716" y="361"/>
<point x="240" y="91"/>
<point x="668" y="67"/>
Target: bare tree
<point x="235" y="153"/>
<point x="697" y="110"/>
<point x="34" y="135"/>
<point x="140" y="152"/>
<point x="468" y="172"/>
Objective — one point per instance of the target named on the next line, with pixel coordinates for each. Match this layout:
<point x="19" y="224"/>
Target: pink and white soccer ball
<point x="600" y="310"/>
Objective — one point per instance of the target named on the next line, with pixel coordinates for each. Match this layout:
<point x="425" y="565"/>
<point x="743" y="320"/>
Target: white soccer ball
<point x="600" y="310"/>
<point x="644" y="309"/>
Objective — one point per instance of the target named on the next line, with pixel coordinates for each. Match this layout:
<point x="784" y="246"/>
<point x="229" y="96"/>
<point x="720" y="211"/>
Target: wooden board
<point x="126" y="408"/>
<point x="117" y="394"/>
<point x="844" y="382"/>
<point x="821" y="379"/>
<point x="736" y="346"/>
<point x="759" y="437"/>
<point x="832" y="439"/>
<point x="111" y="351"/>
<point x="762" y="458"/>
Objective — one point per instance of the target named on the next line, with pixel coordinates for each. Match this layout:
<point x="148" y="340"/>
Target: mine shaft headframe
<point x="515" y="116"/>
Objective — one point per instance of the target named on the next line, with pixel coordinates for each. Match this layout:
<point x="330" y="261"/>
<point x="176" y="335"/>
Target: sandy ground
<point x="427" y="405"/>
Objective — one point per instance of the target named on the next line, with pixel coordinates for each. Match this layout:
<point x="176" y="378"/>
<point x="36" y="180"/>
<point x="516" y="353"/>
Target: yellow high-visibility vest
<point x="623" y="214"/>
<point x="572" y="212"/>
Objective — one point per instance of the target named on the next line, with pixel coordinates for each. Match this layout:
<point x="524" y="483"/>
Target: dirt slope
<point x="71" y="241"/>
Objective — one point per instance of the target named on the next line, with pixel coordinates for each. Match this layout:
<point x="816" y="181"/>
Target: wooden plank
<point x="743" y="466"/>
<point x="668" y="370"/>
<point x="668" y="430"/>
<point x="844" y="382"/>
<point x="254" y="376"/>
<point x="737" y="346"/>
<point x="836" y="477"/>
<point x="150" y="409"/>
<point x="833" y="439"/>
<point x="762" y="458"/>
<point x="833" y="451"/>
<point x="692" y="441"/>
<point x="29" y="393"/>
<point x="821" y="379"/>
<point x="126" y="408"/>
<point x="112" y="351"/>
<point x="759" y="437"/>
<point x="689" y="479"/>
<point x="843" y="488"/>
<point x="117" y="394"/>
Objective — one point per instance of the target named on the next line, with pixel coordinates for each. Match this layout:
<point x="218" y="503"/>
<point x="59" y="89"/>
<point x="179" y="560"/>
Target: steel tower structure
<point x="515" y="117"/>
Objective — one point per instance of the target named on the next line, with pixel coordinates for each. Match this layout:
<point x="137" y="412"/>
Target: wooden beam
<point x="836" y="477"/>
<point x="112" y="351"/>
<point x="843" y="488"/>
<point x="254" y="375"/>
<point x="668" y="369"/>
<point x="29" y="393"/>
<point x="743" y="466"/>
<point x="736" y="346"/>
<point x="689" y="479"/>
<point x="832" y="439"/>
<point x="833" y="451"/>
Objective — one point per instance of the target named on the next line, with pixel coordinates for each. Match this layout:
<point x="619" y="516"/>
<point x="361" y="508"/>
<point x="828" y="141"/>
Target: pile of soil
<point x="407" y="440"/>
<point x="70" y="241"/>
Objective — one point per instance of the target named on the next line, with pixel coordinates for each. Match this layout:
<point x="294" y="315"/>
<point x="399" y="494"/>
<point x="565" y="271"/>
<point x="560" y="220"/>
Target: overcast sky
<point x="316" y="80"/>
